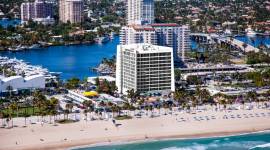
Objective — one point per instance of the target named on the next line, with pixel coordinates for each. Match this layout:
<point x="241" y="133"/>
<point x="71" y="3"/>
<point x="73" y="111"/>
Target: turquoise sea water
<point x="256" y="141"/>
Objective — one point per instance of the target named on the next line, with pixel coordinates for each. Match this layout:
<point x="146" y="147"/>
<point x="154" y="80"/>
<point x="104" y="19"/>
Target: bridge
<point x="204" y="70"/>
<point x="237" y="44"/>
<point x="202" y="37"/>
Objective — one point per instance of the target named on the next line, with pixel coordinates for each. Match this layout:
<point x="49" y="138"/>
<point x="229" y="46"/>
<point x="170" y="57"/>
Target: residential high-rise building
<point x="27" y="11"/>
<point x="144" y="68"/>
<point x="175" y="36"/>
<point x="138" y="34"/>
<point x="140" y="12"/>
<point x="43" y="9"/>
<point x="71" y="10"/>
<point x="171" y="35"/>
<point x="38" y="10"/>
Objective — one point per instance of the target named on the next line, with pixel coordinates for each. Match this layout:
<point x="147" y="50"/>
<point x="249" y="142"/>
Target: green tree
<point x="72" y="83"/>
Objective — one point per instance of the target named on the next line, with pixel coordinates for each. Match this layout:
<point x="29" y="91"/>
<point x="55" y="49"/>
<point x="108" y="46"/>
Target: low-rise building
<point x="17" y="83"/>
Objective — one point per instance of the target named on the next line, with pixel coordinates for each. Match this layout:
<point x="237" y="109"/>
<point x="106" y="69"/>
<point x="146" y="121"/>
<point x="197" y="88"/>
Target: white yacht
<point x="228" y="32"/>
<point x="250" y="32"/>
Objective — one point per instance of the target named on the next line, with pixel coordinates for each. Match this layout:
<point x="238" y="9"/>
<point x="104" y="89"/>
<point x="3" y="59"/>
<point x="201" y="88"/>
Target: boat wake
<point x="222" y="146"/>
<point x="199" y="147"/>
<point x="261" y="146"/>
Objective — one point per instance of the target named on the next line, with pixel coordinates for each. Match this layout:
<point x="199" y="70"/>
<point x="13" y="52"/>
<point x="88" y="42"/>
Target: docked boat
<point x="103" y="39"/>
<point x="228" y="32"/>
<point x="34" y="46"/>
<point x="250" y="32"/>
<point x="16" y="49"/>
<point x="112" y="36"/>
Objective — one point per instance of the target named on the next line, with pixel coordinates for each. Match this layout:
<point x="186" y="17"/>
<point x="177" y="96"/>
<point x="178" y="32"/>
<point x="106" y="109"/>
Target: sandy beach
<point x="176" y="125"/>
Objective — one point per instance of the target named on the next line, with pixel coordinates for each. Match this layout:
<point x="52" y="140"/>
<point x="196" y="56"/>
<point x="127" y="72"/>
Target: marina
<point x="22" y="68"/>
<point x="71" y="60"/>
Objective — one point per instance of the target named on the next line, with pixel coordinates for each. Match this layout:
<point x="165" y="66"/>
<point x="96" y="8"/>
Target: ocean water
<point x="72" y="61"/>
<point x="256" y="141"/>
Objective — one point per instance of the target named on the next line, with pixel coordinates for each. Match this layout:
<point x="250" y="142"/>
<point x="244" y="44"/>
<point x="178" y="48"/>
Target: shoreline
<point x="75" y="43"/>
<point x="171" y="138"/>
<point x="90" y="143"/>
<point x="101" y="133"/>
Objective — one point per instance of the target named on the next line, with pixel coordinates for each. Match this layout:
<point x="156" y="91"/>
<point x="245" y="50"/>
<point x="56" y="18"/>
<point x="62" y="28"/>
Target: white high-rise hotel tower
<point x="140" y="12"/>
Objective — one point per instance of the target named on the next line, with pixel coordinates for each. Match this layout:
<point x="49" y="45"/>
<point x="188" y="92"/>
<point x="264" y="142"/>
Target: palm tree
<point x="26" y="115"/>
<point x="177" y="75"/>
<point x="88" y="106"/>
<point x="38" y="100"/>
<point x="245" y="46"/>
<point x="9" y="89"/>
<point x="218" y="96"/>
<point x="252" y="96"/>
<point x="13" y="106"/>
<point x="223" y="102"/>
<point x="69" y="107"/>
<point x="131" y="93"/>
<point x="53" y="107"/>
<point x="115" y="108"/>
<point x="203" y="95"/>
<point x="2" y="117"/>
<point x="151" y="110"/>
<point x="126" y="107"/>
<point x="194" y="101"/>
<point x="180" y="96"/>
<point x="165" y="106"/>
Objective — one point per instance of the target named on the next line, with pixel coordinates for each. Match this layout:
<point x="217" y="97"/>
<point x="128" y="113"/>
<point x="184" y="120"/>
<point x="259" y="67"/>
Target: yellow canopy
<point x="90" y="94"/>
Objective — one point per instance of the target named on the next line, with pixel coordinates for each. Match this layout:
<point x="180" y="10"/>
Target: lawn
<point x="22" y="111"/>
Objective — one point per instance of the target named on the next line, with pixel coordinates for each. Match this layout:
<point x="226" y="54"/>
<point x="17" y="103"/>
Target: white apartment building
<point x="175" y="36"/>
<point x="137" y="34"/>
<point x="38" y="10"/>
<point x="71" y="10"/>
<point x="169" y="34"/>
<point x="140" y="12"/>
<point x="144" y="67"/>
